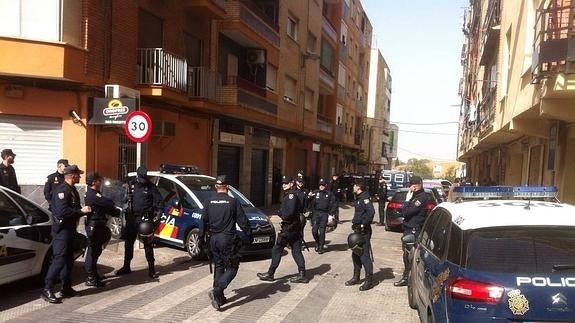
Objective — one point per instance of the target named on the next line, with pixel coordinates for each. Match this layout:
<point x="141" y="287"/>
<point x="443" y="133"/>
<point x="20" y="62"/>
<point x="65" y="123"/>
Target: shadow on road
<point x="383" y="274"/>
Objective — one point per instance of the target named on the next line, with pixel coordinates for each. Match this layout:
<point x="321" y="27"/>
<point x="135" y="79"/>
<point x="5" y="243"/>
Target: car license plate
<point x="261" y="239"/>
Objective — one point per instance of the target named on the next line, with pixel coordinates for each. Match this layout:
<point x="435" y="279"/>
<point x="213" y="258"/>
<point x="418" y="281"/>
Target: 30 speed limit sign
<point x="138" y="126"/>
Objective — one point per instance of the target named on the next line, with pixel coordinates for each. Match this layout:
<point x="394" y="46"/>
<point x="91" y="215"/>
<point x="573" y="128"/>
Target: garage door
<point x="229" y="164"/>
<point x="37" y="143"/>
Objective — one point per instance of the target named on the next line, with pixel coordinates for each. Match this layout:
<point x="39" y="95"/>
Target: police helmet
<point x="355" y="242"/>
<point x="101" y="234"/>
<point x="146" y="229"/>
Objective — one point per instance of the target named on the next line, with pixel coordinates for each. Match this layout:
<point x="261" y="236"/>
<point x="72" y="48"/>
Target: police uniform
<point x="67" y="211"/>
<point x="333" y="187"/>
<point x="8" y="173"/>
<point x="54" y="180"/>
<point x="323" y="204"/>
<point x="96" y="229"/>
<point x="145" y="205"/>
<point x="382" y="199"/>
<point x="414" y="213"/>
<point x="361" y="223"/>
<point x="222" y="212"/>
<point x="290" y="234"/>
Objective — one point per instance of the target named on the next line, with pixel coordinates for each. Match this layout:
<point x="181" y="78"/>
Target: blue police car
<point x="184" y="190"/>
<point x="508" y="259"/>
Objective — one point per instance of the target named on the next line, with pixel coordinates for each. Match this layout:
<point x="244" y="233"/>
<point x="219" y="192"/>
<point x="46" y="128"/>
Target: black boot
<point x="402" y="282"/>
<point x="49" y="296"/>
<point x="216" y="301"/>
<point x="353" y="281"/>
<point x="367" y="284"/>
<point x="152" y="271"/>
<point x="299" y="278"/>
<point x="267" y="276"/>
<point x="93" y="281"/>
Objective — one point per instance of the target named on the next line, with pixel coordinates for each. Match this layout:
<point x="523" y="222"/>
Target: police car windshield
<point x="204" y="188"/>
<point x="535" y="250"/>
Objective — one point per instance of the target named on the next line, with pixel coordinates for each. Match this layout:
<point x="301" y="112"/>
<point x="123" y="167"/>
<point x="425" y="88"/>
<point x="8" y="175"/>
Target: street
<point x="180" y="293"/>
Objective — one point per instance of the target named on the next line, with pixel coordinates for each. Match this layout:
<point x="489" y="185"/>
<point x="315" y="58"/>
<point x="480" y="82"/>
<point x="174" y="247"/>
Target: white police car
<point x="184" y="191"/>
<point x="511" y="259"/>
<point x="25" y="238"/>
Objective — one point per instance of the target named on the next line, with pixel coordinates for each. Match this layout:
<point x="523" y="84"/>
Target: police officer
<point x="304" y="197"/>
<point x="361" y="224"/>
<point x="54" y="179"/>
<point x="414" y="213"/>
<point x="221" y="215"/>
<point x="96" y="229"/>
<point x="333" y="187"/>
<point x="7" y="171"/>
<point x="321" y="206"/>
<point x="66" y="214"/>
<point x="382" y="199"/>
<point x="290" y="234"/>
<point x="144" y="207"/>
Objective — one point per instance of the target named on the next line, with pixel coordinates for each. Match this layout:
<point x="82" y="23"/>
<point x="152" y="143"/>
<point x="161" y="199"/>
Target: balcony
<point x="554" y="39"/>
<point x="39" y="59"/>
<point x="324" y="124"/>
<point x="245" y="19"/>
<point x="159" y="68"/>
<point x="487" y="112"/>
<point x="237" y="91"/>
<point x="329" y="29"/>
<point x="326" y="77"/>
<point x="210" y="9"/>
<point x="491" y="29"/>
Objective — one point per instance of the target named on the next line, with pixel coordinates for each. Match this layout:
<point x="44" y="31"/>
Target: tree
<point x="420" y="167"/>
<point x="450" y="174"/>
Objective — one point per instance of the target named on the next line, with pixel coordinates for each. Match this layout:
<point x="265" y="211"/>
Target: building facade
<point x="516" y="125"/>
<point x="248" y="88"/>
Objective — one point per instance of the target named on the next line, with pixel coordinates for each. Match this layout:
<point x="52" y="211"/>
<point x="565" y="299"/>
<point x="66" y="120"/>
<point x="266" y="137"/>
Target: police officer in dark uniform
<point x="54" y="179"/>
<point x="96" y="229"/>
<point x="333" y="187"/>
<point x="222" y="212"/>
<point x="144" y="208"/>
<point x="382" y="199"/>
<point x="321" y="206"/>
<point x="66" y="214"/>
<point x="7" y="172"/>
<point x="290" y="234"/>
<point x="361" y="224"/>
<point x="304" y="197"/>
<point x="414" y="213"/>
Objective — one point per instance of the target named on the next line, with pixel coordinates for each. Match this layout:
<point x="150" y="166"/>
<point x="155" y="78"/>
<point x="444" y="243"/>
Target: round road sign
<point x="138" y="126"/>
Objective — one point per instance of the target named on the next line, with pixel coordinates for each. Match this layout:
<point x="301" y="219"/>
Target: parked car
<point x="505" y="260"/>
<point x="25" y="238"/>
<point x="437" y="188"/>
<point x="393" y="217"/>
<point x="184" y="192"/>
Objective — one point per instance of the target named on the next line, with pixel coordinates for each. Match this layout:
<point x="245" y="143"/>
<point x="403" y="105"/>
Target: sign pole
<point x="138" y="154"/>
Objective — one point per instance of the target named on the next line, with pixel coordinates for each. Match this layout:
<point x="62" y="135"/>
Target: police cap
<point x="322" y="181"/>
<point x="415" y="180"/>
<point x="62" y="161"/>
<point x="221" y="180"/>
<point x="7" y="152"/>
<point x="72" y="169"/>
<point x="92" y="177"/>
<point x="286" y="179"/>
<point x="142" y="171"/>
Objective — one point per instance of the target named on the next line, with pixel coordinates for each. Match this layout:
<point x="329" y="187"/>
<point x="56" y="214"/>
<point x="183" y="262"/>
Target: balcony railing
<point x="158" y="67"/>
<point x="491" y="28"/>
<point x="204" y="84"/>
<point x="329" y="28"/>
<point x="250" y="14"/>
<point x="324" y="123"/>
<point x="554" y="38"/>
<point x="487" y="111"/>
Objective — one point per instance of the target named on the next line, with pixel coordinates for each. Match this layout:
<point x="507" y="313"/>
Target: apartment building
<point x="242" y="87"/>
<point x="517" y="92"/>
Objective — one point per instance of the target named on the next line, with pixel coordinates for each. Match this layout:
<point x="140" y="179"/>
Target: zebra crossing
<point x="180" y="294"/>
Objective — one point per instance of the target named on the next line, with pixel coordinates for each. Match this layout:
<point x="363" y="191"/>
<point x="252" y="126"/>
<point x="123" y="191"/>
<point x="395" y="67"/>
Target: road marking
<point x="117" y="297"/>
<point x="168" y="301"/>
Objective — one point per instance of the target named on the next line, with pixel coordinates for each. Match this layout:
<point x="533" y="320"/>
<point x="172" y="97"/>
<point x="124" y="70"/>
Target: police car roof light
<point x="486" y="192"/>
<point x="179" y="169"/>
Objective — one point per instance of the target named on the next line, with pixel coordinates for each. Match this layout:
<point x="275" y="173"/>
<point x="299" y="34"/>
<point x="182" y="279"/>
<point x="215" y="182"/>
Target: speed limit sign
<point x="138" y="126"/>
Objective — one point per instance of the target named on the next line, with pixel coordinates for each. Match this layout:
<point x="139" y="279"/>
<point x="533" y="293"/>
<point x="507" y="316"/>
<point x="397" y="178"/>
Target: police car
<point x="24" y="237"/>
<point x="509" y="259"/>
<point x="184" y="190"/>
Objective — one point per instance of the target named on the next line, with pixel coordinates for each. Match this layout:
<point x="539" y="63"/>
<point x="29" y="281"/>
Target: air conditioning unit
<point x="256" y="56"/>
<point x="117" y="91"/>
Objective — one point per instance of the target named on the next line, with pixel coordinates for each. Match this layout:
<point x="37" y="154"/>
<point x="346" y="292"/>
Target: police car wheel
<point x="116" y="227"/>
<point x="192" y="244"/>
<point x="410" y="296"/>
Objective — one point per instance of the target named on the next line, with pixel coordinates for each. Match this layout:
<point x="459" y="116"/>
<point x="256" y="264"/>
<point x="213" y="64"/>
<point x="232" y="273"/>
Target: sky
<point x="421" y="41"/>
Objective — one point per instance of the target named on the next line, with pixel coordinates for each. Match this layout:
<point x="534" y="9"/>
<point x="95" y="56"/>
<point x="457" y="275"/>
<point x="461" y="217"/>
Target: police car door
<point x="17" y="254"/>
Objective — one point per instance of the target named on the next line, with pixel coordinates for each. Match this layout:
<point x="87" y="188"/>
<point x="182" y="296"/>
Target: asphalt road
<point x="180" y="293"/>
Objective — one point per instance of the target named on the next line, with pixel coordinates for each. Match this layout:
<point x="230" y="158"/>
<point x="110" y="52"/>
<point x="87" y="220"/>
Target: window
<point x="440" y="234"/>
<point x="290" y="90"/>
<point x="292" y="28"/>
<point x="341" y="75"/>
<point x="529" y="36"/>
<point x="33" y="213"/>
<point x="309" y="99"/>
<point x="271" y="77"/>
<point x="455" y="242"/>
<point x="9" y="213"/>
<point x="326" y="55"/>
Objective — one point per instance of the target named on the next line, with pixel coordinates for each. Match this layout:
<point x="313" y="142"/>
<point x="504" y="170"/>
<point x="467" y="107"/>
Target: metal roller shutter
<point x="37" y="143"/>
